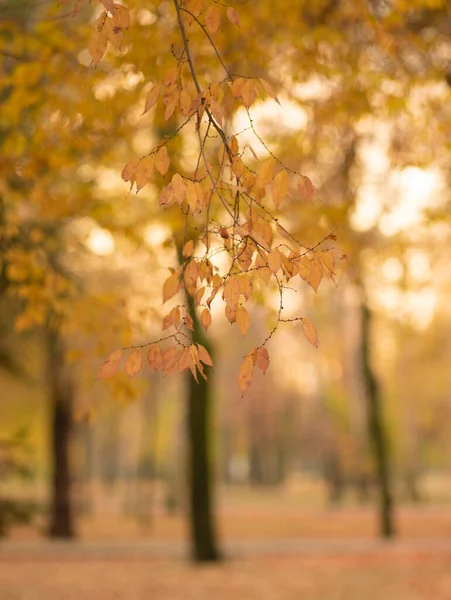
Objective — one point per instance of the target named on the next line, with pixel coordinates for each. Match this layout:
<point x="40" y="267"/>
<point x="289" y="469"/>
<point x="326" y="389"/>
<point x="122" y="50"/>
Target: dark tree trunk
<point x="376" y="427"/>
<point x="203" y="533"/>
<point x="61" y="393"/>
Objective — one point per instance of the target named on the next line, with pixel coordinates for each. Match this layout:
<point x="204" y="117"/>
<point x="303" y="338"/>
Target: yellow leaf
<point x="274" y="260"/>
<point x="179" y="188"/>
<point x="205" y="318"/>
<point x="246" y="373"/>
<point x="152" y="98"/>
<point x="110" y="366"/>
<point x="134" y="363"/>
<point x="279" y="187"/>
<point x="213" y="19"/>
<point x="242" y="319"/>
<point x="204" y="355"/>
<point x="162" y="160"/>
<point x="185" y="103"/>
<point x="155" y="358"/>
<point x="232" y="15"/>
<point x="230" y="313"/>
<point x="262" y="359"/>
<point x="310" y="332"/>
<point x="171" y="286"/>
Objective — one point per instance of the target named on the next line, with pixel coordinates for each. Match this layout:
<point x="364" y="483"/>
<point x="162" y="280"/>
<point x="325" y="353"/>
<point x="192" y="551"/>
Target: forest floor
<point x="272" y="553"/>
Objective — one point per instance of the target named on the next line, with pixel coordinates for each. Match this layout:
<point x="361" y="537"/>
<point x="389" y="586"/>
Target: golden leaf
<point x="162" y="160"/>
<point x="217" y="112"/>
<point x="237" y="86"/>
<point x="231" y="293"/>
<point x="188" y="248"/>
<point x="97" y="46"/>
<point x="110" y="366"/>
<point x="155" y="358"/>
<point x="109" y="5"/>
<point x="170" y="77"/>
<point x="248" y="93"/>
<point x="246" y="373"/>
<point x="144" y="171"/>
<point x="134" y="363"/>
<point x="274" y="260"/>
<point x="194" y="6"/>
<point x="310" y="332"/>
<point x="213" y="19"/>
<point x="246" y="286"/>
<point x="204" y="355"/>
<point x="171" y="286"/>
<point x="269" y="89"/>
<point x="205" y="318"/>
<point x="121" y="17"/>
<point x="232" y="15"/>
<point x="129" y="171"/>
<point x="172" y="318"/>
<point x="152" y="98"/>
<point x="265" y="173"/>
<point x="306" y="189"/>
<point x="262" y="359"/>
<point x="230" y="313"/>
<point x="198" y="296"/>
<point x="316" y="273"/>
<point x="279" y="187"/>
<point x="189" y="322"/>
<point x="242" y="319"/>
<point x="190" y="277"/>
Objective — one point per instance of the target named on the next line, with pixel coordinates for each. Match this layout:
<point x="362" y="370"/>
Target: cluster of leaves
<point x="232" y="204"/>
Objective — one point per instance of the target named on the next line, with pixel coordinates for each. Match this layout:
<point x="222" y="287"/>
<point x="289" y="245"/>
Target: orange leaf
<point x="188" y="248"/>
<point x="213" y="19"/>
<point x="189" y="322"/>
<point x="129" y="171"/>
<point x="162" y="160"/>
<point x="279" y="187"/>
<point x="198" y="296"/>
<point x="246" y="373"/>
<point x="205" y="318"/>
<point x="204" y="355"/>
<point x="231" y="293"/>
<point x="155" y="358"/>
<point x="110" y="366"/>
<point x="232" y="15"/>
<point x="144" y="172"/>
<point x="152" y="98"/>
<point x="172" y="318"/>
<point x="171" y="286"/>
<point x="262" y="359"/>
<point x="134" y="363"/>
<point x="97" y="46"/>
<point x="306" y="189"/>
<point x="274" y="260"/>
<point x="121" y="17"/>
<point x="310" y="332"/>
<point x="242" y="319"/>
<point x="269" y="89"/>
<point x="248" y="93"/>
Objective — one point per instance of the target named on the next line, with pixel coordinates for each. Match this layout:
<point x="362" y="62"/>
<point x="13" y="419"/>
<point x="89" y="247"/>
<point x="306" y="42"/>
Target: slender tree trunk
<point x="376" y="427"/>
<point x="61" y="392"/>
<point x="203" y="533"/>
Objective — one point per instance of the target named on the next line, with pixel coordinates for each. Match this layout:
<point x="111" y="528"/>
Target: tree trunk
<point x="376" y="427"/>
<point x="61" y="393"/>
<point x="201" y="513"/>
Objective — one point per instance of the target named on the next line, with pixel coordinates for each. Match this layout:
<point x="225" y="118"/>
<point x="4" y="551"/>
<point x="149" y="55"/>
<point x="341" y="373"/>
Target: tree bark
<point x="376" y="427"/>
<point x="61" y="393"/>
